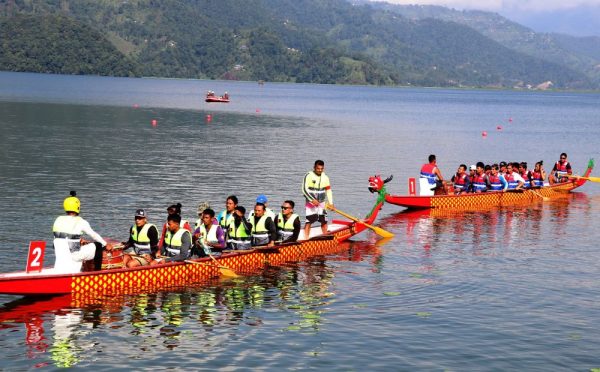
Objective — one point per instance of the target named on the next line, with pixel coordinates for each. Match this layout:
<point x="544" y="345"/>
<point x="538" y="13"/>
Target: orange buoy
<point x="154" y="122"/>
<point x="484" y="134"/>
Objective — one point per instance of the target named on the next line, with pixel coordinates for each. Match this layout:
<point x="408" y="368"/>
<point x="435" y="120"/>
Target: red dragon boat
<point x="490" y="198"/>
<point x="154" y="278"/>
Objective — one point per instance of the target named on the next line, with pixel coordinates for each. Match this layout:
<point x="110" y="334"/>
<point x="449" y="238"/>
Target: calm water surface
<point x="504" y="289"/>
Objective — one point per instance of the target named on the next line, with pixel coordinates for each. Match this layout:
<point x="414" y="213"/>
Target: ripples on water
<point x="501" y="289"/>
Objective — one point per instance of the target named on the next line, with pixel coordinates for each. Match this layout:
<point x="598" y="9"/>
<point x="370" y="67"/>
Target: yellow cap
<point x="72" y="204"/>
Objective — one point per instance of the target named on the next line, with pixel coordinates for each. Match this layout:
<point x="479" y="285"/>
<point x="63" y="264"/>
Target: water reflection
<point x="62" y="331"/>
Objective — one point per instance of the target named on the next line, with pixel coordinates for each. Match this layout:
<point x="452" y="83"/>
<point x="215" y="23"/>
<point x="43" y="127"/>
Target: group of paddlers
<point x="500" y="176"/>
<point x="211" y="235"/>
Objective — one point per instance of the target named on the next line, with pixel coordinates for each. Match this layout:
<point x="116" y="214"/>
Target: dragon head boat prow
<point x="376" y="184"/>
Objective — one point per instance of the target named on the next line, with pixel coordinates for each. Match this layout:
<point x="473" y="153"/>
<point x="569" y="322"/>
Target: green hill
<point x="317" y="41"/>
<point x="60" y="45"/>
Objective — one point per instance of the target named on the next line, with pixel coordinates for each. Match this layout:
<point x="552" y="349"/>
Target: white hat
<point x="473" y="167"/>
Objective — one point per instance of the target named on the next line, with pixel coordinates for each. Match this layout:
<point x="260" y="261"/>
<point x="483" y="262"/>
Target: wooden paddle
<point x="378" y="230"/>
<point x="593" y="179"/>
<point x="544" y="198"/>
<point x="224" y="270"/>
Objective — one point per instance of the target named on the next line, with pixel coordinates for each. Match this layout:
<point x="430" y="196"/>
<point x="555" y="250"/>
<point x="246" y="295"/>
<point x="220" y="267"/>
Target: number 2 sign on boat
<point x="35" y="258"/>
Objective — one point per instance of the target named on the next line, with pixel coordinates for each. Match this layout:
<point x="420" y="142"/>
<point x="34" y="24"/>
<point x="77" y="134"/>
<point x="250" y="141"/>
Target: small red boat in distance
<point x="211" y="97"/>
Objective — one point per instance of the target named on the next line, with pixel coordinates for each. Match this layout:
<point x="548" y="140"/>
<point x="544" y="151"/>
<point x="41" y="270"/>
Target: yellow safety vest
<point x="260" y="234"/>
<point x="173" y="243"/>
<point x="141" y="242"/>
<point x="285" y="229"/>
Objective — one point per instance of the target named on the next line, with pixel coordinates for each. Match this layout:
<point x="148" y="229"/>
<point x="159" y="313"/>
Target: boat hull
<point x="216" y="100"/>
<point x="152" y="278"/>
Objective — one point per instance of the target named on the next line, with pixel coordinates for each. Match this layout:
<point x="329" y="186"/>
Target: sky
<point x="574" y="17"/>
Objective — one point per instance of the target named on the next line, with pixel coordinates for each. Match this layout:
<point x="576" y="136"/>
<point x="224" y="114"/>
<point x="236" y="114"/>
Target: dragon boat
<point x="211" y="97"/>
<point x="490" y="198"/>
<point x="176" y="274"/>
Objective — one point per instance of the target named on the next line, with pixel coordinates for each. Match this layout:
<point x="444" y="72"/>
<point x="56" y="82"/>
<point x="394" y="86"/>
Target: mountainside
<point x="581" y="54"/>
<point x="317" y="41"/>
<point x="57" y="44"/>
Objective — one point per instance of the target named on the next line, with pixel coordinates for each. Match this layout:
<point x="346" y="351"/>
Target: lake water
<point x="504" y="289"/>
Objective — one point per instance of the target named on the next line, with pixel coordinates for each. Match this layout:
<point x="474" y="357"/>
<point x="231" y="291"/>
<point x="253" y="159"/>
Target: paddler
<point x="226" y="215"/>
<point x="316" y="189"/>
<point x="239" y="230"/>
<point x="209" y="237"/>
<point x="68" y="232"/>
<point x="143" y="242"/>
<point x="515" y="181"/>
<point x="461" y="180"/>
<point x="538" y="175"/>
<point x="430" y="173"/>
<point x="178" y="241"/>
<point x="560" y="171"/>
<point x="287" y="223"/>
<point x="263" y="227"/>
<point x="480" y="181"/>
<point x="268" y="211"/>
<point x="173" y="209"/>
<point x="497" y="180"/>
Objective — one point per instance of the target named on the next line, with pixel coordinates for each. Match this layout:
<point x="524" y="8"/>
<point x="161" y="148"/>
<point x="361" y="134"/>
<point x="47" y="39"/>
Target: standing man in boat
<point x="178" y="241"/>
<point x="226" y="215"/>
<point x="430" y="178"/>
<point x="316" y="189"/>
<point x="287" y="223"/>
<point x="560" y="171"/>
<point x="68" y="231"/>
<point x="239" y="230"/>
<point x="143" y="238"/>
<point x="209" y="236"/>
<point x="263" y="227"/>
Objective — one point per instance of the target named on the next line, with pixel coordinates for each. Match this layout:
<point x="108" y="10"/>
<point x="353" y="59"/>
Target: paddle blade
<point x="381" y="232"/>
<point x="228" y="272"/>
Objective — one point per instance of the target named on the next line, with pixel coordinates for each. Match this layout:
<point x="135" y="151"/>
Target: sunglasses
<point x="284" y="207"/>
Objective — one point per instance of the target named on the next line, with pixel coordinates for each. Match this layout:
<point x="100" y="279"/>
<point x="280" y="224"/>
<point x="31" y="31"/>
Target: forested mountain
<point x="318" y="41"/>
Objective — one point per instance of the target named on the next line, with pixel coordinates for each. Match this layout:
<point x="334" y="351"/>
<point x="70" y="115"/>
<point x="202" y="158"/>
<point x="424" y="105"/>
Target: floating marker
<point x="208" y="118"/>
<point x="510" y="120"/>
<point x="135" y="105"/>
<point x="257" y="110"/>
<point x="484" y="134"/>
<point x="154" y="122"/>
<point x="499" y="127"/>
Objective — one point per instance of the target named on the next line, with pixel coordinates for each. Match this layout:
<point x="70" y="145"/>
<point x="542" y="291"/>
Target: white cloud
<point x="505" y="5"/>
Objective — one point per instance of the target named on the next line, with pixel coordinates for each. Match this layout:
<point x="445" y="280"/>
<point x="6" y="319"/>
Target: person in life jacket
<point x="561" y="170"/>
<point x="263" y="227"/>
<point x="143" y="242"/>
<point x="515" y="181"/>
<point x="226" y="215"/>
<point x="287" y="223"/>
<point x="316" y="189"/>
<point x="209" y="237"/>
<point x="538" y="175"/>
<point x="480" y="181"/>
<point x="525" y="174"/>
<point x="239" y="230"/>
<point x="497" y="180"/>
<point x="461" y="180"/>
<point x="178" y="241"/>
<point x="472" y="174"/>
<point x="173" y="209"/>
<point x="432" y="174"/>
<point x="268" y="211"/>
<point x="68" y="231"/>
